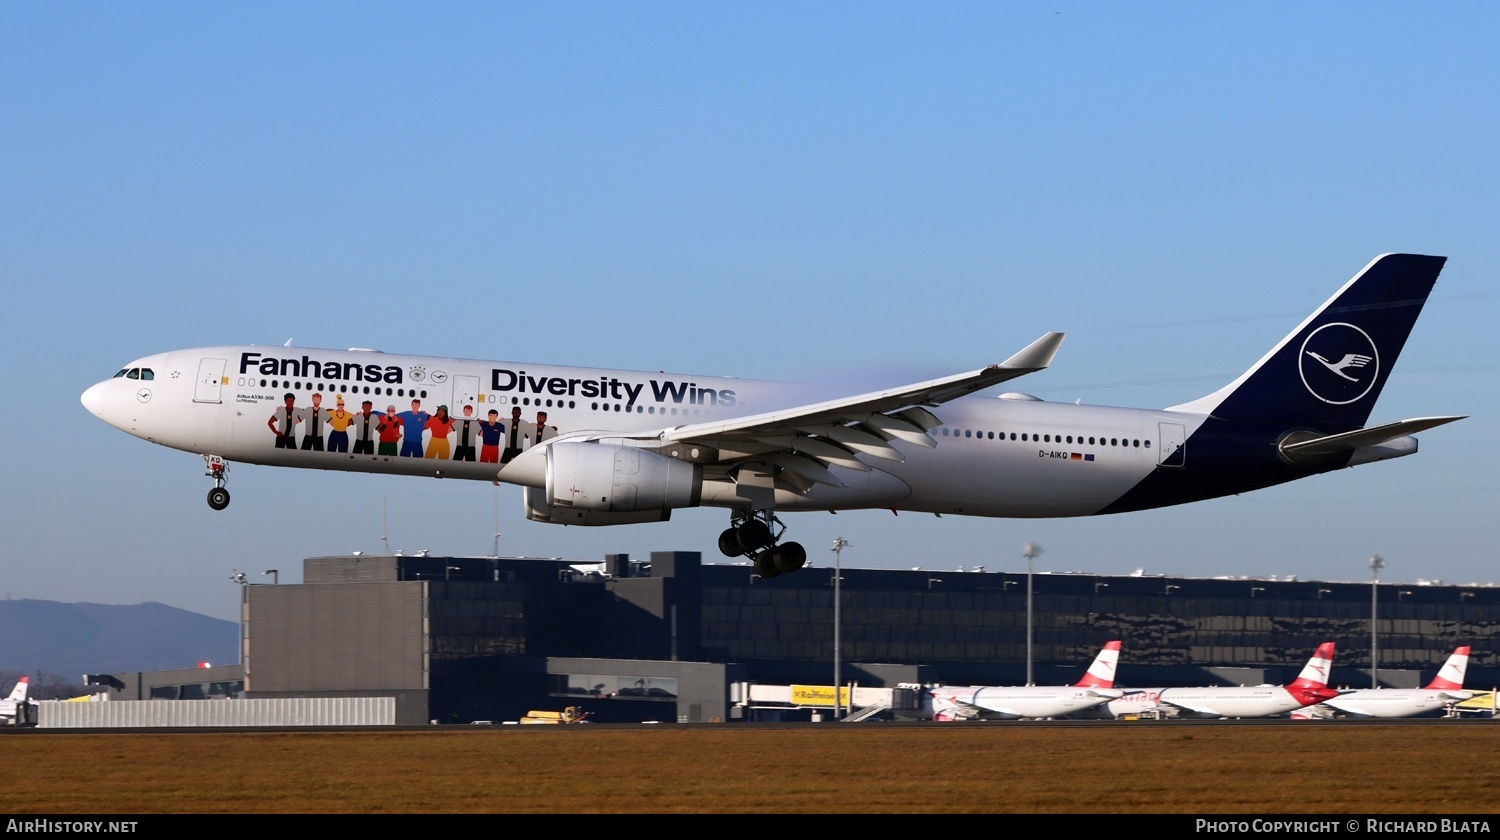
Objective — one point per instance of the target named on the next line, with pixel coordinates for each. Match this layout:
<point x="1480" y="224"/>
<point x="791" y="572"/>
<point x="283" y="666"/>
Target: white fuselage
<point x="994" y="456"/>
<point x="1235" y="701"/>
<point x="1395" y="702"/>
<point x="1013" y="702"/>
<point x="1133" y="702"/>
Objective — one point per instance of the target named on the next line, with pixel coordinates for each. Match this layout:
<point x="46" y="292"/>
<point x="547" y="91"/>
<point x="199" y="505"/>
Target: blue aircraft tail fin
<point x="1329" y="371"/>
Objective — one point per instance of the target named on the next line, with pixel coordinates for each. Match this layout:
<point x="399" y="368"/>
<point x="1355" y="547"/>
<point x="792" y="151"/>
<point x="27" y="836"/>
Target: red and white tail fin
<point x="1101" y="674"/>
<point x="19" y="692"/>
<point x="1451" y="675"/>
<point x="1315" y="672"/>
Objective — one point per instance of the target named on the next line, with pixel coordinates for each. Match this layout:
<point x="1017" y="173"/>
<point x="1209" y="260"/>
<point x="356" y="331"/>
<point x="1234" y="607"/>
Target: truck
<point x="572" y="714"/>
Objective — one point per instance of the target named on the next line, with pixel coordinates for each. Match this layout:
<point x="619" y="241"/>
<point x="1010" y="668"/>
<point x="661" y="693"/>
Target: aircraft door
<point x="210" y="381"/>
<point x="465" y="392"/>
<point x="1173" y="449"/>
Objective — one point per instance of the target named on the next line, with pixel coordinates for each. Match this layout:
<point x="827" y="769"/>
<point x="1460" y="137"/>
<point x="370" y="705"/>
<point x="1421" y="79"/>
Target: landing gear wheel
<point x="753" y="535"/>
<point x="218" y="498"/>
<point x="788" y="557"/>
<point x="729" y="543"/>
<point x="765" y="565"/>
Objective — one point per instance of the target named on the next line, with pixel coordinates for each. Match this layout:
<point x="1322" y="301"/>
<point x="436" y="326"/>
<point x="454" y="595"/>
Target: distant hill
<point x="75" y="639"/>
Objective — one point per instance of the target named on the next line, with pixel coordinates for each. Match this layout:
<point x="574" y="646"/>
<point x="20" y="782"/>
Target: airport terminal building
<point x="461" y="639"/>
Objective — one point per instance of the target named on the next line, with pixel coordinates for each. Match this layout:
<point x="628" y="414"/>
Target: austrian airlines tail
<point x="1101" y="674"/>
<point x="1314" y="674"/>
<point x="11" y="707"/>
<point x="1451" y="676"/>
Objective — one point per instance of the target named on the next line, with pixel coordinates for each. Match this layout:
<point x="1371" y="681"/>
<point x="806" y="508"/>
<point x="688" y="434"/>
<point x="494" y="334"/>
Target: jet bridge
<point x="859" y="702"/>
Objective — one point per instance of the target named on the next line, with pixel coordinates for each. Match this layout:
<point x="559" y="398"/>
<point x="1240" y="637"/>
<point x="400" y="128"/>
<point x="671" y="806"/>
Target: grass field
<point x="964" y="768"/>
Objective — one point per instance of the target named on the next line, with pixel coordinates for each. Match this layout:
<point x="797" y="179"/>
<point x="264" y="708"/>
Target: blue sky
<point x="860" y="193"/>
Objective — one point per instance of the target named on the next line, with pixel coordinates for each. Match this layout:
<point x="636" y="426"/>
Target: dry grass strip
<point x="1312" y="769"/>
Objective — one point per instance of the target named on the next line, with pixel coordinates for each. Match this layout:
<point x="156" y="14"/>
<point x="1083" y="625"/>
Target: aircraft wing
<point x="1036" y="356"/>
<point x="1193" y="709"/>
<point x="800" y="445"/>
<point x="806" y="440"/>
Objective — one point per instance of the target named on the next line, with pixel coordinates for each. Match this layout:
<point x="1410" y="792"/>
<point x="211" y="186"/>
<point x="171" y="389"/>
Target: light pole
<point x="839" y="544"/>
<point x="239" y="578"/>
<point x="1375" y="566"/>
<point x="275" y="575"/>
<point x="1030" y="550"/>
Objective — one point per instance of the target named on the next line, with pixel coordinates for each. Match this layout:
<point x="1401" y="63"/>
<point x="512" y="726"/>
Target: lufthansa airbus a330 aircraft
<point x="606" y="447"/>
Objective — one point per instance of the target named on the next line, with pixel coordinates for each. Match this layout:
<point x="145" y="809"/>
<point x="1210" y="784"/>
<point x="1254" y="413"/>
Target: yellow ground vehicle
<point x="572" y="714"/>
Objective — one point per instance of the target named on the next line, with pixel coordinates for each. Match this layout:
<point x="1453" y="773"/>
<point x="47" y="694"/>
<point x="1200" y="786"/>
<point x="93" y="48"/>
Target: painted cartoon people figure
<point x="491" y="432"/>
<point x="543" y="431"/>
<point x="312" y="430"/>
<point x="284" y="423"/>
<point x="389" y="428"/>
<point x="514" y="435"/>
<point x="413" y="423"/>
<point x="467" y="428"/>
<point x="339" y="421"/>
<point x="364" y="429"/>
<point x="441" y="426"/>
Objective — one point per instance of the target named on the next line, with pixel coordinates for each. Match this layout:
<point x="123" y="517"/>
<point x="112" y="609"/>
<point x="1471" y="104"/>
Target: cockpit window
<point x="136" y="373"/>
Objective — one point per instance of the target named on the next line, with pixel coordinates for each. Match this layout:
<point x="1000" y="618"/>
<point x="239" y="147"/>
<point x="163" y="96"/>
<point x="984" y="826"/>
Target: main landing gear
<point x="218" y="498"/>
<point x="753" y="536"/>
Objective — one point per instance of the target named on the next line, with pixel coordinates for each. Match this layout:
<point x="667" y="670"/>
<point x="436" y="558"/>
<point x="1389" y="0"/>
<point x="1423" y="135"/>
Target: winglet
<point x="1038" y="354"/>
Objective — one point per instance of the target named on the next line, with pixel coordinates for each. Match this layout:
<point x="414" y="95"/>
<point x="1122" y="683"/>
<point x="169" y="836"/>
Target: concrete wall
<point x="346" y="711"/>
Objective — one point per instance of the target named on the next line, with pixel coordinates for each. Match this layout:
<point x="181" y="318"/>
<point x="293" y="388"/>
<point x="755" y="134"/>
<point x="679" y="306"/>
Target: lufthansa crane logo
<point x="1339" y="363"/>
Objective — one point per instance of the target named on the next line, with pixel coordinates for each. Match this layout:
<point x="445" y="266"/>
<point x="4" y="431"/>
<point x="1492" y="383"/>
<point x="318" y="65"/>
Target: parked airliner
<point x="1446" y="689"/>
<point x="11" y="707"/>
<point x="1310" y="687"/>
<point x="999" y="702"/>
<point x="594" y="446"/>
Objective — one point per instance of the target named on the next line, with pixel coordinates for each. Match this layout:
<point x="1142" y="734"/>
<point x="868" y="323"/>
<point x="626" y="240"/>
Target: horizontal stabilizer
<point x="1348" y="441"/>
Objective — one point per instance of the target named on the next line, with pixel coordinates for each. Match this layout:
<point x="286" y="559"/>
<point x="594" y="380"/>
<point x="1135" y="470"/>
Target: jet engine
<point x="607" y="484"/>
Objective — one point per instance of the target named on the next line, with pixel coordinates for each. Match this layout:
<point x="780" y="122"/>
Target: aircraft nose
<point x="102" y="401"/>
<point x="93" y="399"/>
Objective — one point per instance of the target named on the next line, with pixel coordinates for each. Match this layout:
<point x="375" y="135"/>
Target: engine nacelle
<point x="619" y="479"/>
<point x="537" y="510"/>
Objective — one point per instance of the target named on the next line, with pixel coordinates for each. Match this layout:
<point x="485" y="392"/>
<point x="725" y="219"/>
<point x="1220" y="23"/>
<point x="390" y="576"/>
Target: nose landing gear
<point x="755" y="535"/>
<point x="218" y="498"/>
